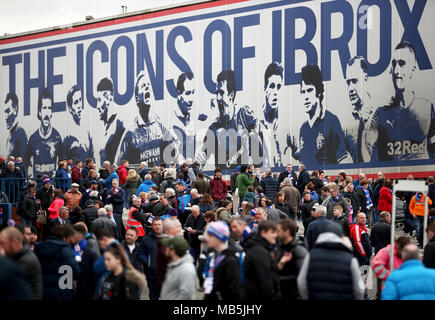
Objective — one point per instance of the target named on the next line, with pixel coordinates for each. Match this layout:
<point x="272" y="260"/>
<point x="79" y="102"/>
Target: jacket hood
<point x="50" y="247"/>
<point x="135" y="277"/>
<point x="135" y="178"/>
<point x="187" y="258"/>
<point x="148" y="182"/>
<point x="330" y="240"/>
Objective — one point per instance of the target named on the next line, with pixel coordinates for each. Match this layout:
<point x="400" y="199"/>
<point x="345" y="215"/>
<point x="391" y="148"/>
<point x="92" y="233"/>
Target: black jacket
<point x="429" y="254"/>
<point x="133" y="256"/>
<point x="29" y="264"/>
<point x="226" y="279"/>
<point x="88" y="280"/>
<point x="306" y="209"/>
<point x="233" y="179"/>
<point x="45" y="196"/>
<point x="380" y="235"/>
<point x="354" y="200"/>
<point x="260" y="271"/>
<point x="289" y="273"/>
<point x="270" y="187"/>
<point x="54" y="254"/>
<point x="344" y="222"/>
<point x="147" y="254"/>
<point x="314" y="229"/>
<point x="284" y="207"/>
<point x="318" y="184"/>
<point x="285" y="174"/>
<point x="14" y="283"/>
<point x="116" y="200"/>
<point x="303" y="180"/>
<point x="89" y="215"/>
<point x="362" y="200"/>
<point x="29" y="208"/>
<point x="197" y="224"/>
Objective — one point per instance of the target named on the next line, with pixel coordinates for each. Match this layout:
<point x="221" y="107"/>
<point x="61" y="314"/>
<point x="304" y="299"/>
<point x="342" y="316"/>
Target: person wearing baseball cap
<point x="73" y="196"/>
<point x="180" y="278"/>
<point x="223" y="277"/>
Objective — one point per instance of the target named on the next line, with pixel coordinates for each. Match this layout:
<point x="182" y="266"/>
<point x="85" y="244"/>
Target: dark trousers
<point x="153" y="288"/>
<point x="195" y="252"/>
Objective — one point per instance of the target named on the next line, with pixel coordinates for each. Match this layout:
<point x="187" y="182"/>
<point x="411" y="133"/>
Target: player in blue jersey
<point x="78" y="144"/>
<point x="45" y="145"/>
<point x="228" y="137"/>
<point x="184" y="121"/>
<point x="361" y="101"/>
<point x="321" y="139"/>
<point x="106" y="147"/>
<point x="404" y="129"/>
<point x="16" y="143"/>
<point x="147" y="139"/>
<point x="269" y="120"/>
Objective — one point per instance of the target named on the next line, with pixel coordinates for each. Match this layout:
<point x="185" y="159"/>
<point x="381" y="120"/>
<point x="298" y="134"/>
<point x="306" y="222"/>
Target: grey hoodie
<point x="358" y="285"/>
<point x="180" y="280"/>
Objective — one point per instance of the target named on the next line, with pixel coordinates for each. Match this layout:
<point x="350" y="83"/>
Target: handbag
<point x="41" y="217"/>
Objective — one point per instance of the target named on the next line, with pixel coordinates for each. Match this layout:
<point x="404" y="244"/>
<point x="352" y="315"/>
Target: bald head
<point x="11" y="241"/>
<point x="410" y="252"/>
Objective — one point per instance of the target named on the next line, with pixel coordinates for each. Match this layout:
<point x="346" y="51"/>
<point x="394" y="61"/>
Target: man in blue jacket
<point x="112" y="175"/>
<point x="412" y="281"/>
<point x="146" y="185"/>
<point x="317" y="227"/>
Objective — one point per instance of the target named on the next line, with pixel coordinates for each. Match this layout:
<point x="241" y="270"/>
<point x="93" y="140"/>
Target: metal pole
<point x="393" y="230"/>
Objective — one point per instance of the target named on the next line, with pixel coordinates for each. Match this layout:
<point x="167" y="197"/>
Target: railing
<point x="12" y="187"/>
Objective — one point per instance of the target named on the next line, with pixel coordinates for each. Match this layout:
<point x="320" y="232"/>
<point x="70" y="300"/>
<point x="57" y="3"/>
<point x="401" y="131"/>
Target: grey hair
<point x="108" y="207"/>
<point x="101" y="211"/>
<point x="147" y="177"/>
<point x="287" y="182"/>
<point x="321" y="210"/>
<point x="171" y="191"/>
<point x="169" y="223"/>
<point x="195" y="208"/>
<point x="410" y="252"/>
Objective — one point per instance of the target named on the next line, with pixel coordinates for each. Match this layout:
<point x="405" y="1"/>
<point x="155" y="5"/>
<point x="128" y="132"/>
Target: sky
<point x="26" y="15"/>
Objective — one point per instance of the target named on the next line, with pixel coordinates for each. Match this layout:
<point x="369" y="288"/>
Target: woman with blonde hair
<point x="132" y="184"/>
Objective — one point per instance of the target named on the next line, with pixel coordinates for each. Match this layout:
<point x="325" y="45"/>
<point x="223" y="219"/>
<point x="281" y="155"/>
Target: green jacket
<point x="243" y="182"/>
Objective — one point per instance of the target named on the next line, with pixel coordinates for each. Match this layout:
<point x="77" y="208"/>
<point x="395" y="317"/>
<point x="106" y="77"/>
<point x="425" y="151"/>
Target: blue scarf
<point x="369" y="202"/>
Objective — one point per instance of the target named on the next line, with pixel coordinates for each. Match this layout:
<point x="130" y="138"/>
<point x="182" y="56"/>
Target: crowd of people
<point x="187" y="237"/>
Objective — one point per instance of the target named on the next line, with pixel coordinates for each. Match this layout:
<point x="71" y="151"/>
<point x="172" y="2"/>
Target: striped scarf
<point x="369" y="202"/>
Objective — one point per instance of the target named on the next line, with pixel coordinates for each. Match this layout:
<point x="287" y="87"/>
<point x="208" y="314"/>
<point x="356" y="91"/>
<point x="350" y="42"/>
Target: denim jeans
<point x="419" y="223"/>
<point x="375" y="216"/>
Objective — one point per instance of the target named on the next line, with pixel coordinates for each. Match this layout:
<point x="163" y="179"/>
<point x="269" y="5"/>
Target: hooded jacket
<point x="385" y="200"/>
<point x="260" y="271"/>
<point x="180" y="280"/>
<point x="54" y="254"/>
<point x="412" y="281"/>
<point x="145" y="187"/>
<point x="131" y="286"/>
<point x="330" y="272"/>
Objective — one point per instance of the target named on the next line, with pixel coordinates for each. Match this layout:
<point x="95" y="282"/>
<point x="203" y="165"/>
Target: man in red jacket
<point x="76" y="172"/>
<point x="122" y="172"/>
<point x="218" y="187"/>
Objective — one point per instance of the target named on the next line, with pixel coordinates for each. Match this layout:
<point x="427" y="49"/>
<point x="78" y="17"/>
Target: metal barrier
<point x="5" y="213"/>
<point x="12" y="186"/>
